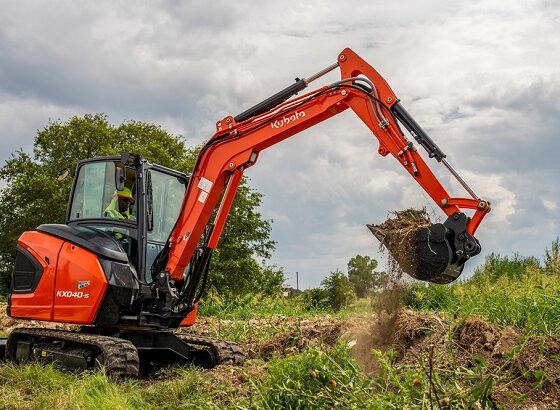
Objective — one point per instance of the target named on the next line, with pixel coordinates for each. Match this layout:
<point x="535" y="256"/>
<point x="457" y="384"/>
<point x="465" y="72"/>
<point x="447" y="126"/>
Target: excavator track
<point x="227" y="353"/>
<point x="118" y="356"/>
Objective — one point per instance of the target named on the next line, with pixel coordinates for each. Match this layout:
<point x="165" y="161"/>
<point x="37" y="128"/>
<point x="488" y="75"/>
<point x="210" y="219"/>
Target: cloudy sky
<point x="482" y="77"/>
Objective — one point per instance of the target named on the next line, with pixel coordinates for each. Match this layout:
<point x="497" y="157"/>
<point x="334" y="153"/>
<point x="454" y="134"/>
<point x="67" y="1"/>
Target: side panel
<point x="38" y="304"/>
<point x="80" y="285"/>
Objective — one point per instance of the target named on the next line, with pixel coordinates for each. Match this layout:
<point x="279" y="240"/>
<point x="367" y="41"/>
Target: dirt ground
<point x="533" y="364"/>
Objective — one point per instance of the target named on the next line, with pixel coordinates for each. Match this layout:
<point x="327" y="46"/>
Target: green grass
<point x="33" y="386"/>
<point x="506" y="291"/>
<point x="529" y="300"/>
<point x="255" y="306"/>
<point x="316" y="378"/>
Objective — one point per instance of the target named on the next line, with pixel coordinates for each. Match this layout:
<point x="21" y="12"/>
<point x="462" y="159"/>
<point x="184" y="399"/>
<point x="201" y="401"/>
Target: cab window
<point x="96" y="195"/>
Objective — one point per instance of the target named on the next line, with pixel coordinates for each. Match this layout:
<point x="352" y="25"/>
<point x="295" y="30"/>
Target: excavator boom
<point x="238" y="141"/>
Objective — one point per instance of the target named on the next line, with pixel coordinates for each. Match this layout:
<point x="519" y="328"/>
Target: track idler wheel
<point x="442" y="250"/>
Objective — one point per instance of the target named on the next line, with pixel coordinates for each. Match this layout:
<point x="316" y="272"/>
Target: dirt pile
<point x="525" y="372"/>
<point x="307" y="333"/>
<point x="398" y="236"/>
<point x="539" y="357"/>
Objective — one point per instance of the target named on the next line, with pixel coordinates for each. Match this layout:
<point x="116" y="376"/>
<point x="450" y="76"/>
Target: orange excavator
<point x="130" y="282"/>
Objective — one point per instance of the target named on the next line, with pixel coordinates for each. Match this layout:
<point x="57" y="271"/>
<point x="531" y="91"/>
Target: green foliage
<point x="507" y="291"/>
<point x="426" y="386"/>
<point x="339" y="290"/>
<point x="496" y="266"/>
<point x="33" y="386"/>
<point x="421" y="296"/>
<point x="316" y="298"/>
<point x="254" y="305"/>
<point x="362" y="275"/>
<point x="316" y="379"/>
<point x="25" y="386"/>
<point x="33" y="195"/>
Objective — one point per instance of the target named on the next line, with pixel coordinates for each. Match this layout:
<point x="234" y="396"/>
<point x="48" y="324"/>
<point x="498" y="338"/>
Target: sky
<point x="482" y="77"/>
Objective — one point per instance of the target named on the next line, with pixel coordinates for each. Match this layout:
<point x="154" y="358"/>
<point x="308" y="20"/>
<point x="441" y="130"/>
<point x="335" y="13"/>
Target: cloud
<point x="481" y="77"/>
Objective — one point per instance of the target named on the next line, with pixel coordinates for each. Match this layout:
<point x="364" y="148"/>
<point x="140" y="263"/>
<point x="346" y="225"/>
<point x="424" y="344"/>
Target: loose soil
<point x="397" y="235"/>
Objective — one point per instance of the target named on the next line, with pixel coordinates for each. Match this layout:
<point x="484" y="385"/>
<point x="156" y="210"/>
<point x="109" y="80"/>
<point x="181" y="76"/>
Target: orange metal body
<point x="39" y="304"/>
<point x="73" y="305"/>
<point x="190" y="319"/>
<point x="237" y="145"/>
<point x="57" y="297"/>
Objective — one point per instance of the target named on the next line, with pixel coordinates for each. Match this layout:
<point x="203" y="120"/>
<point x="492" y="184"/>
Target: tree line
<point x="33" y="196"/>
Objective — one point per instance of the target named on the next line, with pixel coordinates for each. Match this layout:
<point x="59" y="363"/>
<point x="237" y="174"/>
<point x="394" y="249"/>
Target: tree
<point x="339" y="290"/>
<point x="362" y="275"/>
<point x="33" y="195"/>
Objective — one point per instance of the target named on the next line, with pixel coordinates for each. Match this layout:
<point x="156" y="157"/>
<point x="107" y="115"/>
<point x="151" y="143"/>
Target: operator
<point x="119" y="207"/>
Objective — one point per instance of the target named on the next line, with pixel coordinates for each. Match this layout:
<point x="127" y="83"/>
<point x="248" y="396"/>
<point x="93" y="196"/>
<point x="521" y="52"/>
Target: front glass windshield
<point x="167" y="193"/>
<point x="96" y="194"/>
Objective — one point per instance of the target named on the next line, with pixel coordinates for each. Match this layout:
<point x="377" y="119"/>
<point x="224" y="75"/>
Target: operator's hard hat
<point x="124" y="193"/>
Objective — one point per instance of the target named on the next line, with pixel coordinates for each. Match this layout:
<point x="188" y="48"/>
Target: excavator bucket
<point x="429" y="252"/>
<point x="436" y="258"/>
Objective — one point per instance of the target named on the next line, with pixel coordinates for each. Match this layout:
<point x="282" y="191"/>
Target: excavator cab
<point x="96" y="268"/>
<point x="133" y="202"/>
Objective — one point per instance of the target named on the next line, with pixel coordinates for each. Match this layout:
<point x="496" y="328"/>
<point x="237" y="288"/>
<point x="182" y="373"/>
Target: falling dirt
<point x="377" y="330"/>
<point x="396" y="236"/>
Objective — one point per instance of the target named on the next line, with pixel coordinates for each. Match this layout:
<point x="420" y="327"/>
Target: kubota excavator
<point x="131" y="282"/>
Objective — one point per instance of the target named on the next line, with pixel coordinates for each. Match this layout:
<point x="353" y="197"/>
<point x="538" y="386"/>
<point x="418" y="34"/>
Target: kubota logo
<point x="71" y="294"/>
<point x="287" y="119"/>
<point x="82" y="284"/>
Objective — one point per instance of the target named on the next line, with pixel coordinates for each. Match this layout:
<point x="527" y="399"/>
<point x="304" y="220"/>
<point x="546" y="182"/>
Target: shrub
<point x="316" y="299"/>
<point x="422" y="296"/>
<point x="552" y="258"/>
<point x="339" y="290"/>
<point x="497" y="266"/>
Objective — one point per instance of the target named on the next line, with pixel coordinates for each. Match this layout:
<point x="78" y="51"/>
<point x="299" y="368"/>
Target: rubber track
<point x="226" y="352"/>
<point x="118" y="356"/>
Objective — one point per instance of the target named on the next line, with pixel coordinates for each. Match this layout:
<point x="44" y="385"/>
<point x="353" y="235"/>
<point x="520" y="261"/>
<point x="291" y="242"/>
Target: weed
<point x="314" y="379"/>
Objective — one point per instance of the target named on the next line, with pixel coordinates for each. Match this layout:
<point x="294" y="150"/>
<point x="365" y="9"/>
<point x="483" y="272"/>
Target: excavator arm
<point x="238" y="141"/>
